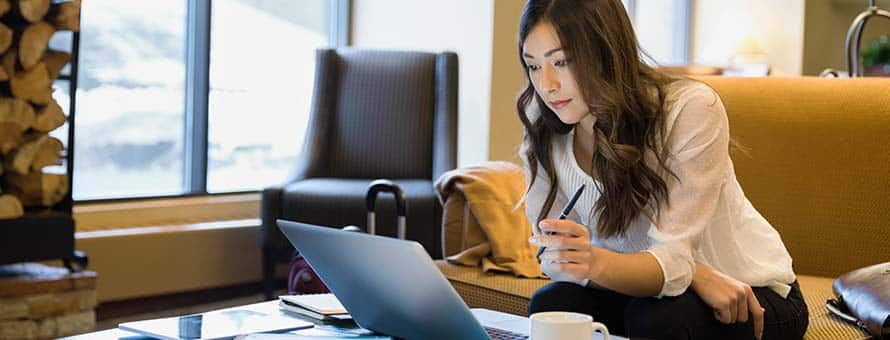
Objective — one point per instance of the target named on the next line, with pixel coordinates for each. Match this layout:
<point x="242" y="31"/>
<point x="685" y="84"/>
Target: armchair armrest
<point x="270" y="210"/>
<point x="445" y="120"/>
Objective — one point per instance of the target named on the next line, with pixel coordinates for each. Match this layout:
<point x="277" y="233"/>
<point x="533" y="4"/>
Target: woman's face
<point x="549" y="72"/>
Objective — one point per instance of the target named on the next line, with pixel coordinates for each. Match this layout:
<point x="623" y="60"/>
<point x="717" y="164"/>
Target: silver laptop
<point x="392" y="286"/>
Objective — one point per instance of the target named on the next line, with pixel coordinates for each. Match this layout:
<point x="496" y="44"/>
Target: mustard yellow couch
<point x="817" y="167"/>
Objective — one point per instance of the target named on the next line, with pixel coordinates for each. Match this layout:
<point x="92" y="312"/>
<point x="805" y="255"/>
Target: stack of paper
<point x="317" y="306"/>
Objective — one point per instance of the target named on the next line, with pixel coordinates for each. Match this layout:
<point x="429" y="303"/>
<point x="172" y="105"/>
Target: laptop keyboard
<point x="500" y="334"/>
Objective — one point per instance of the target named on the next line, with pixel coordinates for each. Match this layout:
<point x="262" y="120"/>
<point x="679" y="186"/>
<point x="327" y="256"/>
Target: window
<point x="190" y="97"/>
<point x="260" y="92"/>
<point x="663" y="28"/>
<point x="129" y="116"/>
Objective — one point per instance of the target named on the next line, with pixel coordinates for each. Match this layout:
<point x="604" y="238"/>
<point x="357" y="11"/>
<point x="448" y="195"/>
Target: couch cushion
<point x="501" y="292"/>
<point x="509" y="294"/>
<point x="822" y="324"/>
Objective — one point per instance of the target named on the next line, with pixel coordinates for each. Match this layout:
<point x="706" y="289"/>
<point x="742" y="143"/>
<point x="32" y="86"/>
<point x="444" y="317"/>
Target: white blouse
<point x="709" y="220"/>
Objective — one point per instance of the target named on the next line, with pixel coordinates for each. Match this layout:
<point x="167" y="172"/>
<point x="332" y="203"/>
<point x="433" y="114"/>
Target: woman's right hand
<point x="731" y="299"/>
<point x="569" y="254"/>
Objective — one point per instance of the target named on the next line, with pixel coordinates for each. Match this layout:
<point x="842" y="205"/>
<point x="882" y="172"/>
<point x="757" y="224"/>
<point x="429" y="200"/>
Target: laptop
<point x="392" y="287"/>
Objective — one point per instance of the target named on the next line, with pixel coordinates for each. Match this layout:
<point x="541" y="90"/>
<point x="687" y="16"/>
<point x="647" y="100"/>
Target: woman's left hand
<point x="732" y="300"/>
<point x="569" y="255"/>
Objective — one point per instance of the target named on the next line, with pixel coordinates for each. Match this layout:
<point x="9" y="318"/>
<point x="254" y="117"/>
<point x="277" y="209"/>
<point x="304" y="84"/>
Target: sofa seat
<point x="506" y="293"/>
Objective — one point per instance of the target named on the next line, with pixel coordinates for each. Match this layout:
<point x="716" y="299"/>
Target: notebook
<point x="324" y="304"/>
<point x="292" y="308"/>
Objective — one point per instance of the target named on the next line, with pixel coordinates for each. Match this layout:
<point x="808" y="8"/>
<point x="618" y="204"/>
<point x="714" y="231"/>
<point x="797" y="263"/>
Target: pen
<point x="563" y="215"/>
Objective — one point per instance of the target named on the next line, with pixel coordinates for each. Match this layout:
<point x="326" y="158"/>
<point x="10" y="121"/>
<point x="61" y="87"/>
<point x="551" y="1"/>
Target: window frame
<point x="71" y="78"/>
<point x="197" y="88"/>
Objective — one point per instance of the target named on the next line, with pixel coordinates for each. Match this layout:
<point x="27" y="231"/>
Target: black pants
<point x="680" y="317"/>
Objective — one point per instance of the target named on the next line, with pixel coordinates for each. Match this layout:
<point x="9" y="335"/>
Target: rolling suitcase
<point x="301" y="279"/>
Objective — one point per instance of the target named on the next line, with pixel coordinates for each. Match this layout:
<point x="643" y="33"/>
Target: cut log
<point x="33" y="42"/>
<point x="49" y="117"/>
<point x="4" y="6"/>
<point x="16" y="116"/>
<point x="7" y="62"/>
<point x="33" y="10"/>
<point x="34" y="85"/>
<point x="49" y="153"/>
<point x="10" y="137"/>
<point x="17" y="110"/>
<point x="5" y="37"/>
<point x="55" y="61"/>
<point x="65" y="16"/>
<point x="38" y="188"/>
<point x="10" y="207"/>
<point x="36" y="152"/>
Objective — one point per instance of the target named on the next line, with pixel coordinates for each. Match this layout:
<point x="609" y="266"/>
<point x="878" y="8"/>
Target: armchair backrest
<point x="383" y="114"/>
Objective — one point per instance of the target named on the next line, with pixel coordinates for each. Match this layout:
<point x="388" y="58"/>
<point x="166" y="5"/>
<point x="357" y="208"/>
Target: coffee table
<point x="326" y="330"/>
<point x="268" y="307"/>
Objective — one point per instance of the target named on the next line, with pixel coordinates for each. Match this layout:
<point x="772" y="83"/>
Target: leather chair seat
<point x="339" y="202"/>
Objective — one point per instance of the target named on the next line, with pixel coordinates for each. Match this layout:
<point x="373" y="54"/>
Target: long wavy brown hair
<point x="626" y="95"/>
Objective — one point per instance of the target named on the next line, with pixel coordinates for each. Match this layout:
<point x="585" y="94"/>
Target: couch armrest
<point x="460" y="229"/>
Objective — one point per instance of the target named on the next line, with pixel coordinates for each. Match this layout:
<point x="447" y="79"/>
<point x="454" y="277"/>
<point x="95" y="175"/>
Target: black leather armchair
<point x="375" y="114"/>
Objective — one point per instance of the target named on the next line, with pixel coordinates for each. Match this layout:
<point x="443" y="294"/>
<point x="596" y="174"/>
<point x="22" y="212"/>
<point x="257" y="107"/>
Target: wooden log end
<point x="16" y="116"/>
<point x="33" y="85"/>
<point x="5" y="6"/>
<point x="36" y="152"/>
<point x="33" y="10"/>
<point x="49" y="152"/>
<point x="37" y="189"/>
<point x="17" y="111"/>
<point x="49" y="117"/>
<point x="10" y="207"/>
<point x="33" y="42"/>
<point x="55" y="61"/>
<point x="10" y="137"/>
<point x="8" y="62"/>
<point x="65" y="16"/>
<point x="6" y="36"/>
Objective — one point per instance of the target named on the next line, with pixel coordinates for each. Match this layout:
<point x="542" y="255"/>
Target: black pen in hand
<point x="563" y="215"/>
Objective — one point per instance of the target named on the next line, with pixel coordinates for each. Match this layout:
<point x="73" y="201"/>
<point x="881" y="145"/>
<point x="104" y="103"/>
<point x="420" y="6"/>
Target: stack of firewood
<point x="28" y="111"/>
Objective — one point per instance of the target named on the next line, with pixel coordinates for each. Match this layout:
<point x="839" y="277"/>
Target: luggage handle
<point x="835" y="306"/>
<point x="383" y="185"/>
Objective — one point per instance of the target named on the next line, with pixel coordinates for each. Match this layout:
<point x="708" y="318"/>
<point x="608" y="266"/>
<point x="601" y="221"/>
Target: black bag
<point x="863" y="298"/>
<point x="301" y="279"/>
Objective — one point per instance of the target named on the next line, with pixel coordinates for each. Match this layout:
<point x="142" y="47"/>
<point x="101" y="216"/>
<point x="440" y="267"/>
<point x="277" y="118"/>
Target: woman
<point x="663" y="243"/>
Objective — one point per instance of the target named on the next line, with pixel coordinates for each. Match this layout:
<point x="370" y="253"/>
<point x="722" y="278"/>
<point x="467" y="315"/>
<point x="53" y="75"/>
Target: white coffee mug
<point x="564" y="326"/>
